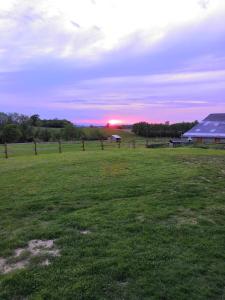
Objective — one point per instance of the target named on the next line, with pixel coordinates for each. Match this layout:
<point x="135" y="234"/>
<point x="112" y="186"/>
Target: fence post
<point x="6" y="151"/>
<point x="35" y="147"/>
<point x="102" y="144"/>
<point x="146" y="145"/>
<point x="83" y="145"/>
<point x="60" y="146"/>
<point x="134" y="144"/>
<point x="119" y="142"/>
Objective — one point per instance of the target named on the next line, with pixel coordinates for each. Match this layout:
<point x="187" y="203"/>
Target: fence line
<point x="17" y="149"/>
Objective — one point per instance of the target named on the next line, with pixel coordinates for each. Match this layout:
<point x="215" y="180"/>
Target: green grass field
<point x="129" y="223"/>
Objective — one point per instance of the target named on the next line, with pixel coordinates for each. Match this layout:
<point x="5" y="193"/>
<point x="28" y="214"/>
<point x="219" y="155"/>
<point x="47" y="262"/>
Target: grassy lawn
<point x="129" y="224"/>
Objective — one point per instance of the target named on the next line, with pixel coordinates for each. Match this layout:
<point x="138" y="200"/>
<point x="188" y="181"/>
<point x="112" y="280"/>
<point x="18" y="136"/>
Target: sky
<point x="94" y="60"/>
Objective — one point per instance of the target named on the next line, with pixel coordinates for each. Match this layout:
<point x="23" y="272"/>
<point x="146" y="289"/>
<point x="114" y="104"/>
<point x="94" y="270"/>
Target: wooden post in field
<point x="35" y="147"/>
<point x="102" y="144"/>
<point x="6" y="151"/>
<point x="119" y="142"/>
<point x="83" y="145"/>
<point x="146" y="145"/>
<point x="60" y="146"/>
<point x="134" y="144"/>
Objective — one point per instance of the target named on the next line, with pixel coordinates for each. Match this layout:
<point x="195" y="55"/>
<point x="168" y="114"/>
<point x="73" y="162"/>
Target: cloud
<point x="75" y="24"/>
<point x="41" y="35"/>
<point x="84" y="65"/>
<point x="185" y="50"/>
<point x="48" y="27"/>
<point x="204" y="3"/>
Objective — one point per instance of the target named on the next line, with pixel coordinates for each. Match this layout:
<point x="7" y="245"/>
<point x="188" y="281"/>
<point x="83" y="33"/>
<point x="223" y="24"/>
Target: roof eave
<point x="216" y="135"/>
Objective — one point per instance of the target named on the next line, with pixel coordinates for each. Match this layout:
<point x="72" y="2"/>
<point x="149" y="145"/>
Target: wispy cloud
<point x="51" y="27"/>
<point x="139" y="58"/>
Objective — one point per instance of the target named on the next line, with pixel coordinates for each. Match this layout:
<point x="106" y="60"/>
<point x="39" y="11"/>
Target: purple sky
<point x="94" y="60"/>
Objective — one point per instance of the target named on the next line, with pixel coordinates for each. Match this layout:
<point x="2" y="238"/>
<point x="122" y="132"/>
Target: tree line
<point x="16" y="127"/>
<point x="162" y="130"/>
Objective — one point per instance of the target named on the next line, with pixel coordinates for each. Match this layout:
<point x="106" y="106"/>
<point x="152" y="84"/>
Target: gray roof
<point x="215" y="118"/>
<point x="211" y="127"/>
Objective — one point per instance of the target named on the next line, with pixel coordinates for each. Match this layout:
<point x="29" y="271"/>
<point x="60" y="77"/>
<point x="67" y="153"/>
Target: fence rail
<point x="37" y="148"/>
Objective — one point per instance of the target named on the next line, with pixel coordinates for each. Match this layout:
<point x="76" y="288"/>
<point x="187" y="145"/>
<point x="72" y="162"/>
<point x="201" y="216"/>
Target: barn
<point x="210" y="130"/>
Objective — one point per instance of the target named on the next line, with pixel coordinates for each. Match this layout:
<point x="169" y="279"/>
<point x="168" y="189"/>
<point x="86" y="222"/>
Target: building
<point x="115" y="138"/>
<point x="210" y="130"/>
<point x="180" y="142"/>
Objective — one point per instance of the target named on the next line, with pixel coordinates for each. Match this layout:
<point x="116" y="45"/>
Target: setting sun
<point x="115" y="122"/>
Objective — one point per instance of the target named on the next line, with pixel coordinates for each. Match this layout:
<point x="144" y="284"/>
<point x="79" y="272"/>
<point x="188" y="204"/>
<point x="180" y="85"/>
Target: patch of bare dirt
<point x="190" y="217"/>
<point x="9" y="267"/>
<point x="39" y="247"/>
<point x="185" y="220"/>
<point x="22" y="256"/>
<point x="215" y="209"/>
<point x="183" y="217"/>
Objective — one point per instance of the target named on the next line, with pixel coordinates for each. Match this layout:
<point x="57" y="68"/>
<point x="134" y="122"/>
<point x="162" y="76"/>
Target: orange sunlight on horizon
<point x="115" y="122"/>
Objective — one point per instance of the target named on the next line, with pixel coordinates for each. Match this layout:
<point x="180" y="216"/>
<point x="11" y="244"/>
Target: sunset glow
<point x="115" y="122"/>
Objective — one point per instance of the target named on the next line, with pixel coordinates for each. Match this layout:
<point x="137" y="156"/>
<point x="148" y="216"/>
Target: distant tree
<point x="55" y="123"/>
<point x="56" y="136"/>
<point x="35" y="120"/>
<point x="27" y="132"/>
<point x="18" y="119"/>
<point x="96" y="134"/>
<point x="70" y="132"/>
<point x="3" y="119"/>
<point x="30" y="127"/>
<point x="83" y="135"/>
<point x="45" y="135"/>
<point x="161" y="130"/>
<point x="11" y="133"/>
<point x="36" y="133"/>
<point x="141" y="128"/>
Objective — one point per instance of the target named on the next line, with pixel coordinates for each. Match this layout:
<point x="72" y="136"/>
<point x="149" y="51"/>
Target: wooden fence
<point x="37" y="148"/>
